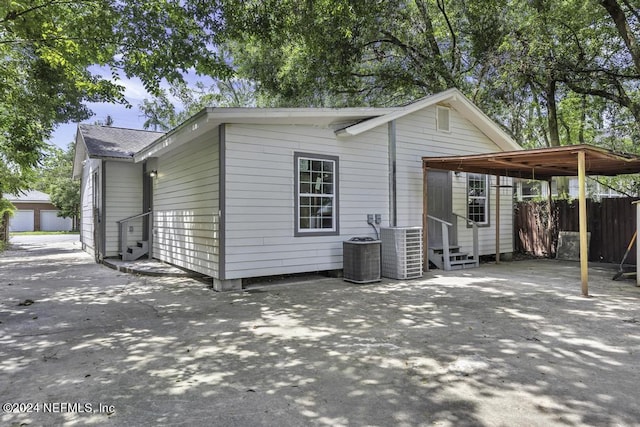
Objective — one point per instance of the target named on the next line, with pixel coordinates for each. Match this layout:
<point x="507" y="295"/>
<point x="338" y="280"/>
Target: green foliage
<point x="6" y="207"/>
<point x="552" y="73"/>
<point x="162" y="114"/>
<point x="55" y="180"/>
<point x="47" y="49"/>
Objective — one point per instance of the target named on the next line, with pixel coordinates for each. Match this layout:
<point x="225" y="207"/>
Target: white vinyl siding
<point x="416" y="137"/>
<point x="260" y="223"/>
<point x="186" y="206"/>
<point x="486" y="235"/>
<point x="123" y="199"/>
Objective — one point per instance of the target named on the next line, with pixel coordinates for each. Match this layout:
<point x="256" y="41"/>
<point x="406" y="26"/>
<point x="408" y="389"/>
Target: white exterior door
<point x="22" y="220"/>
<point x="50" y="221"/>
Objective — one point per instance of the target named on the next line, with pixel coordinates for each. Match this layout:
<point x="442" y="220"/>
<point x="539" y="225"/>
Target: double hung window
<point x="478" y="198"/>
<point x="316" y="197"/>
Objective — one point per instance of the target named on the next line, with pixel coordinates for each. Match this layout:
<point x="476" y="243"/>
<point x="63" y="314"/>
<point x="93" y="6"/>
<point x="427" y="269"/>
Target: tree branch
<point x="13" y="15"/>
<point x="622" y="99"/>
<point x="624" y="30"/>
<point x="433" y="45"/>
<point x="454" y="41"/>
<point x="632" y="10"/>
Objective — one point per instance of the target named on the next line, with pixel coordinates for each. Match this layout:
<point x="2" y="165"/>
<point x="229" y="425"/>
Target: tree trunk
<point x="552" y="113"/>
<point x="554" y="132"/>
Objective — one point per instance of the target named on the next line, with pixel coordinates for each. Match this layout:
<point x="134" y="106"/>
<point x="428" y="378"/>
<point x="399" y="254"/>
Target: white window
<point x="442" y="119"/>
<point x="316" y="198"/>
<point x="478" y="198"/>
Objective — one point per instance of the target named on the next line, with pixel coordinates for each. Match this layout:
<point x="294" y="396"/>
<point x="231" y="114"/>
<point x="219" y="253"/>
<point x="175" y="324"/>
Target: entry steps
<point x="134" y="252"/>
<point x="457" y="260"/>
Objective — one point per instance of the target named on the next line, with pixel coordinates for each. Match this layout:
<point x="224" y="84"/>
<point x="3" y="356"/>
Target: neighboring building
<point x="538" y="190"/>
<point x="35" y="212"/>
<point x="245" y="192"/>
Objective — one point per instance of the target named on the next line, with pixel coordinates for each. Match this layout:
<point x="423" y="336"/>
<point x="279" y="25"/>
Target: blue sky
<point x="123" y="117"/>
<point x="130" y="118"/>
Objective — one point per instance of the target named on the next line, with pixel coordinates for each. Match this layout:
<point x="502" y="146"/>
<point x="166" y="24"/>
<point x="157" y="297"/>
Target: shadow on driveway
<point x="508" y="344"/>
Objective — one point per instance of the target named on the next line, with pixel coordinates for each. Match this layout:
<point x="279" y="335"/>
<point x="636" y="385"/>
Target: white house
<point x="236" y="193"/>
<point x="111" y="183"/>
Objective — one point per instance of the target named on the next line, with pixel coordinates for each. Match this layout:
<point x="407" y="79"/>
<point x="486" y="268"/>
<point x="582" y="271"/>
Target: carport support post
<point x="584" y="261"/>
<point x="550" y="221"/>
<point x="637" y="203"/>
<point x="425" y="228"/>
<point x="497" y="219"/>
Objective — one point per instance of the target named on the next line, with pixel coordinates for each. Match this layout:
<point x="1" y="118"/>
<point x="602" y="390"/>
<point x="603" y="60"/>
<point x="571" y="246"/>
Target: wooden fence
<point x="4" y="228"/>
<point x="610" y="221"/>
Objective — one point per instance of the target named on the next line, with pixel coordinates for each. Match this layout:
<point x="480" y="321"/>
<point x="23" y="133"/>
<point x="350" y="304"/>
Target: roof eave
<point x="398" y="113"/>
<point x="211" y="117"/>
<point x="166" y="141"/>
<point x="76" y="171"/>
<point x="458" y="101"/>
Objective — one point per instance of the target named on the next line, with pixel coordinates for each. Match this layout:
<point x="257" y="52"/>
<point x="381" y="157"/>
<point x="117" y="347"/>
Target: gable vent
<point x="442" y="119"/>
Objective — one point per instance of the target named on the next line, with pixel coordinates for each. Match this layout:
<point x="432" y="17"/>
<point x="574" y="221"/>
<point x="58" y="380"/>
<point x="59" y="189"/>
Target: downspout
<point x="222" y="201"/>
<point x="393" y="205"/>
<point x="103" y="208"/>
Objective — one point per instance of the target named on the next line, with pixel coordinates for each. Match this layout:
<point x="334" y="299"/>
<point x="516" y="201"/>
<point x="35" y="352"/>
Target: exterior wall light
<point x="153" y="173"/>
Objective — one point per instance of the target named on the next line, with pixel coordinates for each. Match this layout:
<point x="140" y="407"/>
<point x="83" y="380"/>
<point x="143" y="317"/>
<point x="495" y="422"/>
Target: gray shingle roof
<point x="106" y="141"/>
<point x="28" y="196"/>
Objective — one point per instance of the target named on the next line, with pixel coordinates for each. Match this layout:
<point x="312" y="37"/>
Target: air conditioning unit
<point x="401" y="252"/>
<point x="361" y="260"/>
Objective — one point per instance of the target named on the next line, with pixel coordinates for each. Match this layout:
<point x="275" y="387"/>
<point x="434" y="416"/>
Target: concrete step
<point x="463" y="264"/>
<point x="134" y="252"/>
<point x="440" y="249"/>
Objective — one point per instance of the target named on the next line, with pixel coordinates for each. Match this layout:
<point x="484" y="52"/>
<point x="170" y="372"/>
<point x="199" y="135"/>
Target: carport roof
<point x="542" y="163"/>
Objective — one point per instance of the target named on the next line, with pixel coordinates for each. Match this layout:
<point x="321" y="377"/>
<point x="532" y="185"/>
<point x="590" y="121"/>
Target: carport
<point x="540" y="164"/>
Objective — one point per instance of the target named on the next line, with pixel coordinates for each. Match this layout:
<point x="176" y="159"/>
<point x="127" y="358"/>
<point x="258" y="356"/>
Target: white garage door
<point x="21" y="221"/>
<point x="50" y="221"/>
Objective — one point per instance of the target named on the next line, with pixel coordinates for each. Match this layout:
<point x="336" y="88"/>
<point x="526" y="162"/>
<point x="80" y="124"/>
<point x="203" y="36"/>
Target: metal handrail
<point x="470" y="221"/>
<point x="445" y="241"/>
<point x="134" y="217"/>
<point x="474" y="226"/>
<point x="440" y="220"/>
<point x="123" y="232"/>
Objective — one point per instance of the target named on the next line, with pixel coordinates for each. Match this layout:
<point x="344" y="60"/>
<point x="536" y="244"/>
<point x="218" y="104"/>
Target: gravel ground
<point x="502" y="345"/>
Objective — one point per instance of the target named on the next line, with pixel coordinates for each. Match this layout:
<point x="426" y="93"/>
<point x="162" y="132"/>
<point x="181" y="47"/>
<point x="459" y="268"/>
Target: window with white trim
<point x="316" y="198"/>
<point x="478" y="198"/>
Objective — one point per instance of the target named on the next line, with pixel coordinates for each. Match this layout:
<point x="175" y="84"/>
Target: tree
<point x="161" y="113"/>
<point x="55" y="179"/>
<point x="47" y="48"/>
<point x="108" y="121"/>
<point x="526" y="63"/>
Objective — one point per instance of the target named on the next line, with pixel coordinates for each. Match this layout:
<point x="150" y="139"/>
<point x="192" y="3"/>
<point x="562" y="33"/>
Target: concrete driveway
<point x="505" y="345"/>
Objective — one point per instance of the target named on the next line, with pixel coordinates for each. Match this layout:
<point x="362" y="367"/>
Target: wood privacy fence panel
<point x="610" y="221"/>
